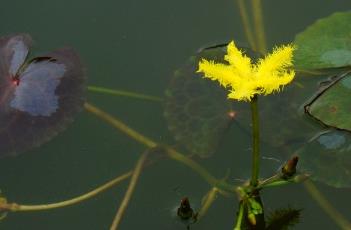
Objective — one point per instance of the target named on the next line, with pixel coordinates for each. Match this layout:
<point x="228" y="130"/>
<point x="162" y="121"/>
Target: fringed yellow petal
<point x="273" y="82"/>
<point x="244" y="93"/>
<point x="216" y="71"/>
<point x="280" y="59"/>
<point x="244" y="79"/>
<point x="239" y="61"/>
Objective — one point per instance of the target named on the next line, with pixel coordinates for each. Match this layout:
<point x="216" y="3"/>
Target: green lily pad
<point x="325" y="44"/>
<point x="331" y="105"/>
<point x="327" y="158"/>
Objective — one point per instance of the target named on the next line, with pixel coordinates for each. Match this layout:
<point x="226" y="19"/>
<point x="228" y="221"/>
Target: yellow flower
<point x="245" y="79"/>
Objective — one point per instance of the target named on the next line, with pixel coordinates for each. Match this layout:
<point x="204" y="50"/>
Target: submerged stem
<point x="19" y="207"/>
<point x="172" y="153"/>
<point x="123" y="93"/>
<point x="207" y="201"/>
<point x="246" y="24"/>
<point x="327" y="206"/>
<point x="259" y="25"/>
<point x="255" y="142"/>
<point x="129" y="192"/>
<point x="120" y="125"/>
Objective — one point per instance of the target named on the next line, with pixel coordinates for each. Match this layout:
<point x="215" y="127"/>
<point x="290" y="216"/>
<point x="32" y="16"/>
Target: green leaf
<point x="331" y="106"/>
<point x="325" y="44"/>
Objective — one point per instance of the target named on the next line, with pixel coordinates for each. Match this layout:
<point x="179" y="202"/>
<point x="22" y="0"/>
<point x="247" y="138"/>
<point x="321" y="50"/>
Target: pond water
<point x="137" y="46"/>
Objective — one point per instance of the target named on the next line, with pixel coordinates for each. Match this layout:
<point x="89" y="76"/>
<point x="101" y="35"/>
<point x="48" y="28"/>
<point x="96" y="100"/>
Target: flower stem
<point x="255" y="142"/>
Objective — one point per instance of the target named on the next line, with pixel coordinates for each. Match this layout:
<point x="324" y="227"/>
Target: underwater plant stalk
<point x="246" y="24"/>
<point x="255" y="142"/>
<point x="120" y="125"/>
<point x="239" y="217"/>
<point x="259" y="26"/>
<point x="124" y="93"/>
<point x="133" y="181"/>
<point x="207" y="201"/>
<point x="19" y="207"/>
<point x="172" y="153"/>
<point x="327" y="206"/>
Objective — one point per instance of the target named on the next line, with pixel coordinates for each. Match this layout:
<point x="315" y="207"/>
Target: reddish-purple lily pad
<point x="39" y="97"/>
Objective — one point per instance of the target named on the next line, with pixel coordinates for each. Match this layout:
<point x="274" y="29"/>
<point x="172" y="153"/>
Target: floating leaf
<point x="331" y="105"/>
<point x="325" y="44"/>
<point x="327" y="158"/>
<point x="39" y="97"/>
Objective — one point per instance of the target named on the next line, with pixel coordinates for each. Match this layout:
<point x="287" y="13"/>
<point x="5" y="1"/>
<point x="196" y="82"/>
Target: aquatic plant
<point x="251" y="210"/>
<point x="245" y="82"/>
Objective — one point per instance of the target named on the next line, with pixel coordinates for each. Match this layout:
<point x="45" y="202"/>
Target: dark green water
<point x="136" y="45"/>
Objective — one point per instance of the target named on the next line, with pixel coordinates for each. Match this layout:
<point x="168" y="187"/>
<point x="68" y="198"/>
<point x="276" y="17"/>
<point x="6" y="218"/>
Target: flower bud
<point x="289" y="169"/>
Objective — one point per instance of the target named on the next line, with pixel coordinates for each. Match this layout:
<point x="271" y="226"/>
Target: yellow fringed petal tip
<point x="245" y="79"/>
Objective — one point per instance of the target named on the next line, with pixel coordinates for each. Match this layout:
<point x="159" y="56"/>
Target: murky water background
<point x="137" y="45"/>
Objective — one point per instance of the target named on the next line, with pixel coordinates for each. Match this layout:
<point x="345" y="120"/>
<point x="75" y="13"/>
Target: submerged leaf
<point x="325" y="44"/>
<point x="282" y="219"/>
<point x="327" y="158"/>
<point x="197" y="110"/>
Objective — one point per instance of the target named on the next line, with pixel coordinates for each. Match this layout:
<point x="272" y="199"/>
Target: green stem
<point x="123" y="93"/>
<point x="240" y="217"/>
<point x="255" y="142"/>
<point x="268" y="181"/>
